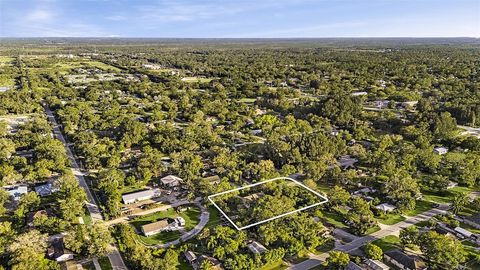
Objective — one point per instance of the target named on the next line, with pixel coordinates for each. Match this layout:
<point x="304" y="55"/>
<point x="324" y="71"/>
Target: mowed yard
<point x="191" y="216"/>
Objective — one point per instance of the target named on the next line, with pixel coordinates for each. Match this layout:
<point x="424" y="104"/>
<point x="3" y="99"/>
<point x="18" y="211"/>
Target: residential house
<point x="46" y="189"/>
<point x="451" y="184"/>
<point x="190" y="257"/>
<point x="155" y="227"/>
<point x="213" y="180"/>
<point x="440" y="150"/>
<point x="375" y="265"/>
<point x="171" y="181"/>
<point x="58" y="252"/>
<point x="163" y="225"/>
<point x="353" y="266"/>
<point x="359" y="93"/>
<point x="386" y="207"/>
<point x="473" y="220"/>
<point x="404" y="261"/>
<point x="256" y="248"/>
<point x="214" y="262"/>
<point x="463" y="233"/>
<point x="16" y="192"/>
<point x="347" y="162"/>
<point x="138" y="196"/>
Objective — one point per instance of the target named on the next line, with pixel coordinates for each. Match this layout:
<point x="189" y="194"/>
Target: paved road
<point x="114" y="256"/>
<point x="92" y="207"/>
<point x="394" y="229"/>
<point x="146" y="212"/>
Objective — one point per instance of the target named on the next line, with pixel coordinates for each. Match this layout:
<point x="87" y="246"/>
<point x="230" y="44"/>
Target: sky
<point x="239" y="18"/>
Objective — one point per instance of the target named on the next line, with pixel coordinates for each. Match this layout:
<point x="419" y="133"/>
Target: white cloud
<point x="40" y="15"/>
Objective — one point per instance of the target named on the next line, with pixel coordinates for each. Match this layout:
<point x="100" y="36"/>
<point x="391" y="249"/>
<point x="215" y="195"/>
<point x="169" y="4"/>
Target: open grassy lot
<point x="280" y="265"/>
<point x="214" y="219"/>
<point x="420" y="207"/>
<point x="388" y="242"/>
<point x="334" y="219"/>
<point x="196" y="79"/>
<point x="160" y="238"/>
<point x="447" y="196"/>
<point x="184" y="265"/>
<point x="390" y="219"/>
<point x="102" y="65"/>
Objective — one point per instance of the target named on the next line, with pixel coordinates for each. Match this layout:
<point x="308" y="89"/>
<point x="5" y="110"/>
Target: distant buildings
<point x="440" y="150"/>
<point x="138" y="196"/>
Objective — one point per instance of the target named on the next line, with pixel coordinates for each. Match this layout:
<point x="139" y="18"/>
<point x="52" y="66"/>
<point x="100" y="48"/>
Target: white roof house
<point x="45" y="189"/>
<point x="386" y="207"/>
<point x="171" y="180"/>
<point x="463" y="232"/>
<point x="376" y="265"/>
<point x="17" y="191"/>
<point x="440" y="150"/>
<point x="138" y="196"/>
<point x="256" y="247"/>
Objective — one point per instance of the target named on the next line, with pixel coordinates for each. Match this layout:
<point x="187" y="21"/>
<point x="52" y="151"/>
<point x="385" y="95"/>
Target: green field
<point x="446" y="197"/>
<point x="280" y="265"/>
<point x="391" y="219"/>
<point x="420" y="207"/>
<point x="105" y="263"/>
<point x="334" y="219"/>
<point x="388" y="242"/>
<point x="196" y="79"/>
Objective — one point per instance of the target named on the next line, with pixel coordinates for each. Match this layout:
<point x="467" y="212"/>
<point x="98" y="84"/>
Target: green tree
<point x="442" y="252"/>
<point x="337" y="260"/>
<point x="373" y="251"/>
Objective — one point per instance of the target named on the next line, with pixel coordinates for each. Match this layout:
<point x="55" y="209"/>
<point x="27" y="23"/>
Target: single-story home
<point x="215" y="263"/>
<point x="16" y="191"/>
<point x="46" y="189"/>
<point x="138" y="196"/>
<point x="213" y="180"/>
<point x="155" y="227"/>
<point x="30" y="218"/>
<point x="256" y="248"/>
<point x="376" y="265"/>
<point x="353" y="266"/>
<point x="463" y="232"/>
<point x="404" y="261"/>
<point x="58" y="252"/>
<point x="440" y="150"/>
<point x="386" y="207"/>
<point x="163" y="225"/>
<point x="171" y="181"/>
<point x="473" y="220"/>
<point x="190" y="257"/>
<point x="451" y="184"/>
<point x="347" y="162"/>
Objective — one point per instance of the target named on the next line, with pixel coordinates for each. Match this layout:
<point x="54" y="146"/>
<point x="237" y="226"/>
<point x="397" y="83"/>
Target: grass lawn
<point x="387" y="243"/>
<point x="334" y="219"/>
<point x="280" y="265"/>
<point x="391" y="219"/>
<point x="103" y="66"/>
<point x="247" y="100"/>
<point x="445" y="197"/>
<point x="197" y="79"/>
<point x="214" y="219"/>
<point x="372" y="230"/>
<point x="105" y="263"/>
<point x="159" y="238"/>
<point x="420" y="207"/>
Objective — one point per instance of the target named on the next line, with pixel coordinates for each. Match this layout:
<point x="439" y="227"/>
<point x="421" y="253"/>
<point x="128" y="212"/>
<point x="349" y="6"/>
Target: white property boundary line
<point x="325" y="199"/>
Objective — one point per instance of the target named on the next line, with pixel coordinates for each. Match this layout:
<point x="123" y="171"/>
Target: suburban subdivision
<point x="234" y="154"/>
